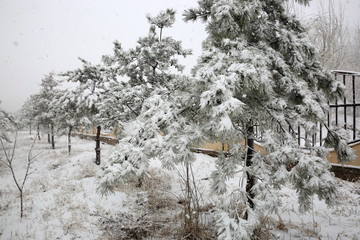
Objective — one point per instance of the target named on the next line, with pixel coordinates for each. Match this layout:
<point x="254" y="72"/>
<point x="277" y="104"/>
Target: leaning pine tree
<point x="258" y="70"/>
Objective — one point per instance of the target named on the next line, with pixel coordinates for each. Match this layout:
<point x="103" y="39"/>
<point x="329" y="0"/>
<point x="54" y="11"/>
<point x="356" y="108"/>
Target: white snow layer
<point x="61" y="201"/>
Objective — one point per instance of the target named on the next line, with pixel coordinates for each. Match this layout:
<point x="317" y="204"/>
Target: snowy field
<point x="61" y="201"/>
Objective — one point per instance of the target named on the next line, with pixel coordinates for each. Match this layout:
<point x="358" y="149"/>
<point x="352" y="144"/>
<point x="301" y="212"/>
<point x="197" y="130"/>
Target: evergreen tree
<point x="257" y="80"/>
<point x="26" y="114"/>
<point x="92" y="80"/>
<point x="30" y="112"/>
<point x="258" y="71"/>
<point x="70" y="114"/>
<point x="45" y="110"/>
<point x="135" y="74"/>
<point x="7" y="123"/>
<point x="147" y="97"/>
<point x="39" y="108"/>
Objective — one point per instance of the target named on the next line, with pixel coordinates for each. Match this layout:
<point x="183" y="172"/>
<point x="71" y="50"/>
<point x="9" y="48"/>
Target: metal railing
<point x="343" y="113"/>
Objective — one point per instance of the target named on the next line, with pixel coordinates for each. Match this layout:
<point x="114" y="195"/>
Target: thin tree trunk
<point x="250" y="182"/>
<point x="38" y="132"/>
<point x="30" y="128"/>
<point x="49" y="138"/>
<point x="188" y="211"/>
<point x="21" y="204"/>
<point x="8" y="162"/>
<point x="161" y="30"/>
<point x="97" y="148"/>
<point x="69" y="139"/>
<point x="52" y="137"/>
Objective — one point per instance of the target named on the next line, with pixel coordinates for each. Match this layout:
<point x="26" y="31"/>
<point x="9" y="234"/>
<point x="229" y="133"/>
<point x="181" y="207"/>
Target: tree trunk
<point x="161" y="30"/>
<point x="187" y="204"/>
<point x="48" y="133"/>
<point x="30" y="128"/>
<point x="97" y="148"/>
<point x="250" y="182"/>
<point x="52" y="137"/>
<point x="21" y="204"/>
<point x="69" y="139"/>
<point x="38" y="132"/>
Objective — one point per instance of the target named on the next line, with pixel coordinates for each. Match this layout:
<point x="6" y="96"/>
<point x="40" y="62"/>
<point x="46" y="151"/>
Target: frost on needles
<point x="257" y="71"/>
<point x="149" y="96"/>
<point x="7" y="123"/>
<point x="259" y="57"/>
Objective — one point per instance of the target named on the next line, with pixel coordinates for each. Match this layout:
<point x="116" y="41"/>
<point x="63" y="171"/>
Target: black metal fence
<point x="344" y="113"/>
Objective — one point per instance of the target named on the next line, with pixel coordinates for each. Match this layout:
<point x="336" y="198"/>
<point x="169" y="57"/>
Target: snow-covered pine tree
<point x="71" y="115"/>
<point x="137" y="72"/>
<point x="258" y="72"/>
<point x="44" y="111"/>
<point x="26" y="114"/>
<point x="30" y="112"/>
<point x="92" y="80"/>
<point x="147" y="95"/>
<point x="7" y="123"/>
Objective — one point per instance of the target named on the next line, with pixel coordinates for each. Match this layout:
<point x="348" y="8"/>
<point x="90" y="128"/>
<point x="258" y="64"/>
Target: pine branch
<point x="137" y="114"/>
<point x="195" y="14"/>
<point x="271" y="115"/>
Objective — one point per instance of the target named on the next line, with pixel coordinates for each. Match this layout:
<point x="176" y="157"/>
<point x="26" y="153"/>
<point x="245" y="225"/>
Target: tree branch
<point x="137" y="114"/>
<point x="5" y="163"/>
<point x="271" y="115"/>
<point x="29" y="158"/>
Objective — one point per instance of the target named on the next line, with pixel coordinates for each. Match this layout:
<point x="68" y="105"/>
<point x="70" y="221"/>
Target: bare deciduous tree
<point x="8" y="161"/>
<point x="355" y="50"/>
<point x="338" y="44"/>
<point x="329" y="33"/>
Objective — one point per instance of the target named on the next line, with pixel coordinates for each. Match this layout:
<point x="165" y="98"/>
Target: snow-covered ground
<point x="62" y="202"/>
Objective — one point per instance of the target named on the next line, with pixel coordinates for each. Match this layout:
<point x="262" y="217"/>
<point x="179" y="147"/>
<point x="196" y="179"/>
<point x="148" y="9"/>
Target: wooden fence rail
<point x="344" y="172"/>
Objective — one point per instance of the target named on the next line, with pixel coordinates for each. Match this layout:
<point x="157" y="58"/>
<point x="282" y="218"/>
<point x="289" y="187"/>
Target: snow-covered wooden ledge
<point x="349" y="171"/>
<point x="346" y="172"/>
<point x="333" y="159"/>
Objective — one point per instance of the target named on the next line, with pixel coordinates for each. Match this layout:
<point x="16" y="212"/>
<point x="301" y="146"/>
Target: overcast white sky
<point x="40" y="36"/>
